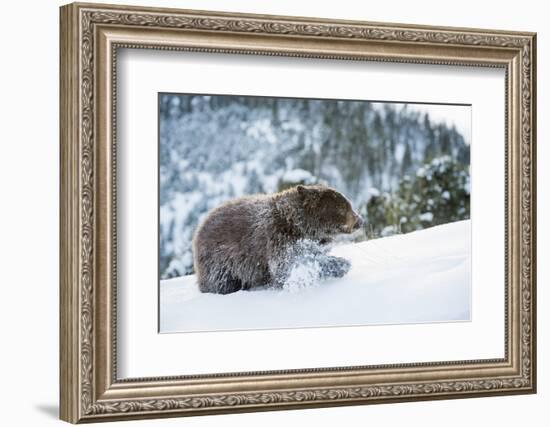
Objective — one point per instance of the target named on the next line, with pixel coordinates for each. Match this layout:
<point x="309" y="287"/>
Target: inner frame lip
<point x="466" y="364"/>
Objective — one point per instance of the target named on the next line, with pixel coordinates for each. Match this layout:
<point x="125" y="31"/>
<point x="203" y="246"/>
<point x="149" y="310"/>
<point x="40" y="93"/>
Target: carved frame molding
<point x="90" y="37"/>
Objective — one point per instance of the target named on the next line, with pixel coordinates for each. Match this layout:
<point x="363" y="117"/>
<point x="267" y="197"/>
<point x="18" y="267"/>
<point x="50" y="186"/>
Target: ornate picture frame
<point x="91" y="34"/>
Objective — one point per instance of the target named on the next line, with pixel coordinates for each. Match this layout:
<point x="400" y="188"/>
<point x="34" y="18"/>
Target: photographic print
<point x="290" y="213"/>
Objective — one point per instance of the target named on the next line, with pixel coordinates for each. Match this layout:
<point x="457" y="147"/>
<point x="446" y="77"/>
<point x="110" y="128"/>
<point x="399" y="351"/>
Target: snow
<point x="298" y="175"/>
<point x="262" y="128"/>
<point x="399" y="152"/>
<point x="303" y="276"/>
<point x="427" y="216"/>
<point x="388" y="230"/>
<point x="418" y="277"/>
<point x="373" y="192"/>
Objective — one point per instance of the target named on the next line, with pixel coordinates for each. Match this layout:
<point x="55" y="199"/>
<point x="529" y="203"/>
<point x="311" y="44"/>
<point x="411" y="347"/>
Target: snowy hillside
<point x="422" y="276"/>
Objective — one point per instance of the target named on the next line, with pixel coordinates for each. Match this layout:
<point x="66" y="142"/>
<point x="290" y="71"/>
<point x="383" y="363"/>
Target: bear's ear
<point x="302" y="191"/>
<point x="309" y="193"/>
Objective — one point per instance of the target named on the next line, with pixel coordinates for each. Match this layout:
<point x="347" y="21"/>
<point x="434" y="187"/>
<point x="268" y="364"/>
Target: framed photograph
<point x="267" y="212"/>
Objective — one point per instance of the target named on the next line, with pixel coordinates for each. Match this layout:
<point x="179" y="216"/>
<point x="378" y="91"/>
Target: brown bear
<point x="251" y="241"/>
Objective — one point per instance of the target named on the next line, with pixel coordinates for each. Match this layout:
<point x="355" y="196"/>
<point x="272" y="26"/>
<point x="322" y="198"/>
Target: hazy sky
<point x="457" y="115"/>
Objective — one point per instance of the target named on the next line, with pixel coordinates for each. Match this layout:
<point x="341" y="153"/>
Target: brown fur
<point x="244" y="242"/>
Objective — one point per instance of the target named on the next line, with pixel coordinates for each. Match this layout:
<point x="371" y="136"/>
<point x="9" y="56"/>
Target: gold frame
<point x="90" y="36"/>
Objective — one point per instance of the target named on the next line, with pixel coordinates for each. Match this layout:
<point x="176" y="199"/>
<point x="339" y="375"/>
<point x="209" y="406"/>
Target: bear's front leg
<point x="333" y="266"/>
<point x="279" y="270"/>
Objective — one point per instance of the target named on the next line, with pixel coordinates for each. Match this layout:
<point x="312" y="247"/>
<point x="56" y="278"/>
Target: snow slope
<point x="422" y="276"/>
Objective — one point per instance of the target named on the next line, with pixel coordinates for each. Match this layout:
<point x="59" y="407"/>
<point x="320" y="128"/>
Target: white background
<point x="145" y="353"/>
<point x="29" y="171"/>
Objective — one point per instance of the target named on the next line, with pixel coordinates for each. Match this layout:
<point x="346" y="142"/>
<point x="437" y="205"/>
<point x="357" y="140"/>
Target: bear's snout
<point x="354" y="222"/>
<point x="358" y="222"/>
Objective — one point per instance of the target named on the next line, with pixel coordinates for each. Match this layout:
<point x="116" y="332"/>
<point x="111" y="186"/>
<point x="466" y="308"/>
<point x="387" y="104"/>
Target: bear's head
<point x="326" y="212"/>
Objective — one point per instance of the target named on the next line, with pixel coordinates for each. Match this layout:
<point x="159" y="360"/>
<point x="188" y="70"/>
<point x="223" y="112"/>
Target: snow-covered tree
<point x="438" y="193"/>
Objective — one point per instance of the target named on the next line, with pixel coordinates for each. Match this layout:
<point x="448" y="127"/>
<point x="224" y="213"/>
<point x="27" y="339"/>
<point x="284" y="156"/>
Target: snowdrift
<point x="422" y="276"/>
